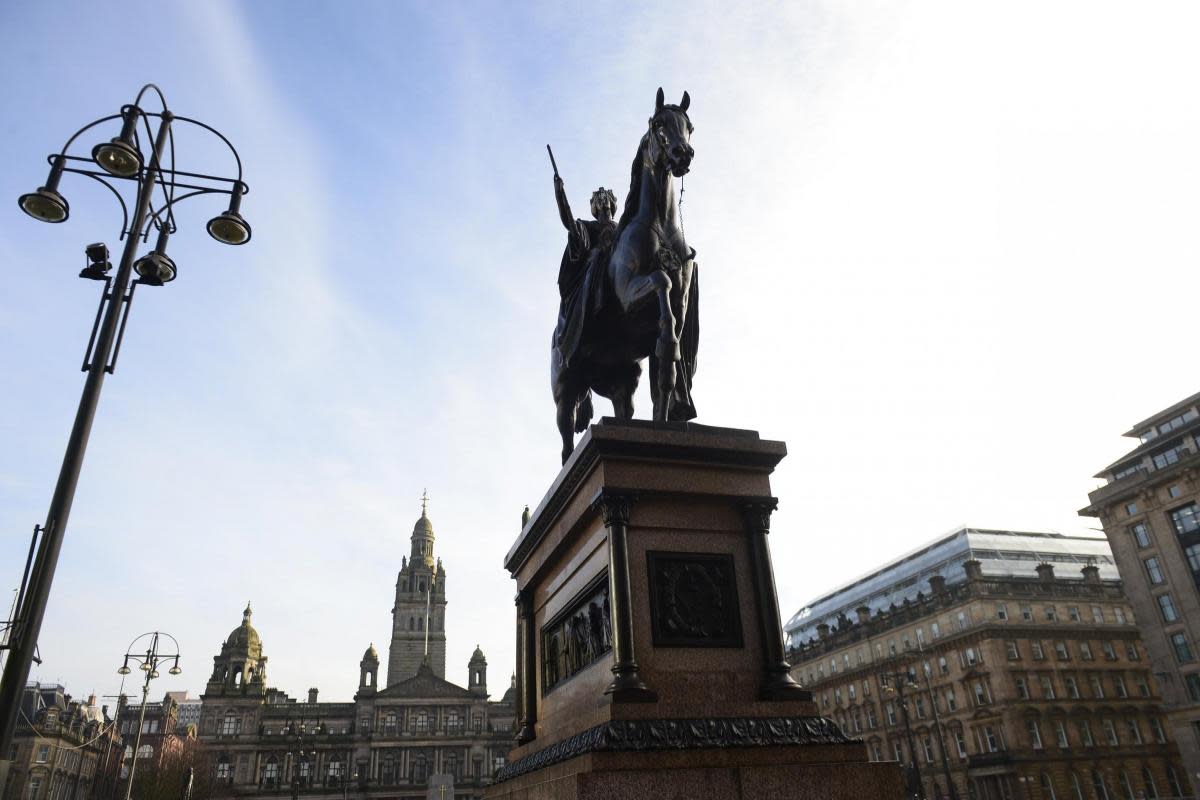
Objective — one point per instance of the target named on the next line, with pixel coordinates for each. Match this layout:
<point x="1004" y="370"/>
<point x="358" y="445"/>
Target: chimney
<point x="1091" y="574"/>
<point x="864" y="613"/>
<point x="937" y="584"/>
<point x="823" y="631"/>
<point x="312" y="695"/>
<point x="1045" y="572"/>
<point x="974" y="569"/>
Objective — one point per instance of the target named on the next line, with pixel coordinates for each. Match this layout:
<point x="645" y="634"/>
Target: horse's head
<point x="670" y="130"/>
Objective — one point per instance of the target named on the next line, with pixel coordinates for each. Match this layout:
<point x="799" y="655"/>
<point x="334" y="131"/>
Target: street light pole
<point x="896" y="682"/>
<point x="149" y="663"/>
<point x="122" y="159"/>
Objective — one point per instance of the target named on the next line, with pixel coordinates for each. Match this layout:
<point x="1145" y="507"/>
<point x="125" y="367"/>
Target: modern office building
<point x="996" y="665"/>
<point x="1150" y="509"/>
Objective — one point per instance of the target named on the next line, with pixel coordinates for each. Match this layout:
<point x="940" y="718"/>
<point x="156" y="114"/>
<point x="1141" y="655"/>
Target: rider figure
<point x="588" y="243"/>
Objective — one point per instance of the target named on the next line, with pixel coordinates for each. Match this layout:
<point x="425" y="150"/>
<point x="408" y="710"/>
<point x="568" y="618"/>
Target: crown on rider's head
<point x="603" y="195"/>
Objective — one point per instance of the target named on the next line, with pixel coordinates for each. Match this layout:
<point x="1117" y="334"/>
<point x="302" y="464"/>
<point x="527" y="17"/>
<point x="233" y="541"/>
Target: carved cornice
<point x="681" y="734"/>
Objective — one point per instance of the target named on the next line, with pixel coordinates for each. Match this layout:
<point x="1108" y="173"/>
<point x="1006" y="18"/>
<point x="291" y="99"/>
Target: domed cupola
<point x="477" y="673"/>
<point x="422" y="537"/>
<point x="368" y="672"/>
<point x="241" y="668"/>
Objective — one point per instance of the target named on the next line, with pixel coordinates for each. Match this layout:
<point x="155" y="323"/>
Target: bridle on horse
<point x="656" y="130"/>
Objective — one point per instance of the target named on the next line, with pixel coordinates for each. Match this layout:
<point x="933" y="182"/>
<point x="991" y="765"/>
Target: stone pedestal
<point x="649" y="649"/>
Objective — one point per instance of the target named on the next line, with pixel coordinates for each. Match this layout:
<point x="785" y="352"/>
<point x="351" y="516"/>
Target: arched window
<point x="1126" y="786"/>
<point x="335" y="768"/>
<point x="1048" y="787"/>
<point x="224" y="768"/>
<point x="1100" y="786"/>
<point x="231" y="724"/>
<point x="145" y="751"/>
<point x="388" y="771"/>
<point x="420" y="624"/>
<point x="1151" y="788"/>
<point x="271" y="771"/>
<point x="412" y="624"/>
<point x="1077" y="787"/>
<point x="305" y="770"/>
<point x="450" y="765"/>
<point x="1173" y="780"/>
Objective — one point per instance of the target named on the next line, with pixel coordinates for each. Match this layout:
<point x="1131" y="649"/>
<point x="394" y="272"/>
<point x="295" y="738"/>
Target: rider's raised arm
<point x="564" y="208"/>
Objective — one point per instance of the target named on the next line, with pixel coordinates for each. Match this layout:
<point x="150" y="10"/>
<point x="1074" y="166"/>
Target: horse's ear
<point x="685" y="102"/>
<point x="658" y="101"/>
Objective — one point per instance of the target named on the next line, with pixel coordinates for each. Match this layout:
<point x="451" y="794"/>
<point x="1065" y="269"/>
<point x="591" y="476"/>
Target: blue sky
<point x="947" y="252"/>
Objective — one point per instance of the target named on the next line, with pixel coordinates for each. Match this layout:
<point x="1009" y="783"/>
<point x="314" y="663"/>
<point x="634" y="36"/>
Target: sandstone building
<point x="1007" y="664"/>
<point x="418" y="735"/>
<point x="1150" y="510"/>
<point x="63" y="749"/>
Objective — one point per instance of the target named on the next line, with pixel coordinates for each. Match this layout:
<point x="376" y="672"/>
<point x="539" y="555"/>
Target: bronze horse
<point x="639" y="298"/>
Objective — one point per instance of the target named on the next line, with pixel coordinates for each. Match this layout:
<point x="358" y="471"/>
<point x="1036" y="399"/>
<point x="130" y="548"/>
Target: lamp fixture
<point x="230" y="227"/>
<point x="46" y="204"/>
<point x="120" y="156"/>
<point x="156" y="267"/>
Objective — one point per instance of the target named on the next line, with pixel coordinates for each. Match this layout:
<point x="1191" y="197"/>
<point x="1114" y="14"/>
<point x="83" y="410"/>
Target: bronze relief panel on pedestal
<point x="694" y="600"/>
<point x="577" y="636"/>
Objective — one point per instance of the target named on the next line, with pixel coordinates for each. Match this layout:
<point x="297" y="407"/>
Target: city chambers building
<point x="1149" y="506"/>
<point x="994" y="665"/>
<point x="415" y="735"/>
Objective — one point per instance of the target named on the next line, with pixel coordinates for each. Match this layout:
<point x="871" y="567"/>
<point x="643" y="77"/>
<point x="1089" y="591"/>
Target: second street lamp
<point x="159" y="187"/>
<point x="149" y="662"/>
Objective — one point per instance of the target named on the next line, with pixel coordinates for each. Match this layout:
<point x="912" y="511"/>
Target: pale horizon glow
<point x="948" y="254"/>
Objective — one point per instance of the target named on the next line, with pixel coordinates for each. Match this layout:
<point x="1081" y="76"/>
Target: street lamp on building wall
<point x="149" y="662"/>
<point x="132" y="160"/>
<point x="895" y="683"/>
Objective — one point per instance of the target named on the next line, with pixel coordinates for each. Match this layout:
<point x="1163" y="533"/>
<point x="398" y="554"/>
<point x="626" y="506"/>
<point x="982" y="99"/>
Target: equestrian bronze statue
<point x="629" y="290"/>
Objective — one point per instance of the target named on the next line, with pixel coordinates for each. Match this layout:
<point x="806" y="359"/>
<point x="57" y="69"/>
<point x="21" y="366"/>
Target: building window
<point x="1027" y="613"/>
<point x="1119" y="613"/>
<point x="335" y="768"/>
<point x="951" y="699"/>
<point x="1166" y="607"/>
<point x="1022" y="688"/>
<point x="1110" y="733"/>
<point x="35" y="787"/>
<point x="1110" y="652"/>
<point x="1085" y="734"/>
<point x="1072" y="687"/>
<point x="1060" y="734"/>
<point x="1151" y="788"/>
<point x="1131" y="651"/>
<point x="1077" y="787"/>
<point x="145" y="751"/>
<point x="224" y="769"/>
<point x="982" y="698"/>
<point x="231" y="724"/>
<point x="1186" y="519"/>
<point x="1048" y="787"/>
<point x="1119" y="685"/>
<point x="1073" y="613"/>
<point x="1167" y="457"/>
<point x="1061" y="652"/>
<point x="872" y="718"/>
<point x="1085" y="651"/>
<point x="43" y="754"/>
<point x="1098" y="615"/>
<point x="1131" y="508"/>
<point x="1038" y="652"/>
<point x="890" y="711"/>
<point x="1174" y="492"/>
<point x="970" y="657"/>
<point x="1126" y="786"/>
<point x="1051" y="614"/>
<point x="961" y="741"/>
<point x="1135" y="731"/>
<point x="927" y="745"/>
<point x="1183" y="652"/>
<point x="1097" y="687"/>
<point x="1047" y="687"/>
<point x="1154" y="570"/>
<point x="991" y="741"/>
<point x="1013" y="652"/>
<point x="936" y="630"/>
<point x="1035" y="734"/>
<point x="920" y="706"/>
<point x="943" y="665"/>
<point x="1001" y="611"/>
<point x="1140" y="534"/>
<point x="1156" y="729"/>
<point x="1193" y="558"/>
<point x="1173" y="780"/>
<point x="1143" y="686"/>
<point x="898" y="750"/>
<point x="1193" y="686"/>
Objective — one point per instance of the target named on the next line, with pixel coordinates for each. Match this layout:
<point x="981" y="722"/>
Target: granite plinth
<point x="650" y="651"/>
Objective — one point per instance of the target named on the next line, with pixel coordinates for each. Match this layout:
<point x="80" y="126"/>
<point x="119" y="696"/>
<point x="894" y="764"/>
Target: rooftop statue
<point x="629" y="290"/>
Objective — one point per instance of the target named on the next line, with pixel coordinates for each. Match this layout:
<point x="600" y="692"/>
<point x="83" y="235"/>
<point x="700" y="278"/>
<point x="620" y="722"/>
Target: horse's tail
<point x="583" y="414"/>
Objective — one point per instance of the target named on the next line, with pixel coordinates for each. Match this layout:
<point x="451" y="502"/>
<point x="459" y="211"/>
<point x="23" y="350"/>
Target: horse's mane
<point x="633" y="199"/>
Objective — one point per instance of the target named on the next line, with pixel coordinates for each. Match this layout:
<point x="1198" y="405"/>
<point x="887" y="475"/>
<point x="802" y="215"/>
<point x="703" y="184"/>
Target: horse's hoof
<point x="668" y="349"/>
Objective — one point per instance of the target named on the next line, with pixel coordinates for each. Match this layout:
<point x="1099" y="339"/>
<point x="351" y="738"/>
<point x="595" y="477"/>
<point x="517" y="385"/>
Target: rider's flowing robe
<point x="580" y="282"/>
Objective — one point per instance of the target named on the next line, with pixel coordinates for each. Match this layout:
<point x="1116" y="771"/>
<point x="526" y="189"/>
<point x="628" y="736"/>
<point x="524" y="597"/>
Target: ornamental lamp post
<point x="894" y="683"/>
<point x="132" y="161"/>
<point x="149" y="663"/>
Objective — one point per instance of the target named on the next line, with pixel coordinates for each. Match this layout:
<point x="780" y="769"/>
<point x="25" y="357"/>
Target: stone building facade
<point x="63" y="749"/>
<point x="403" y="740"/>
<point x="1007" y="665"/>
<point x="1150" y="510"/>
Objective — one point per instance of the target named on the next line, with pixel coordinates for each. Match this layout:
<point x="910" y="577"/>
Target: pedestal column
<point x="626" y="686"/>
<point x="777" y="679"/>
<point x="526" y="667"/>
